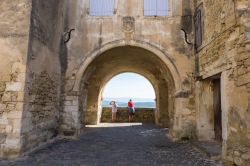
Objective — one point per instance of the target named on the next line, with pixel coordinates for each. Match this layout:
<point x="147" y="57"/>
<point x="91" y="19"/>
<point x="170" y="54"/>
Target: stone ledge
<point x="144" y="115"/>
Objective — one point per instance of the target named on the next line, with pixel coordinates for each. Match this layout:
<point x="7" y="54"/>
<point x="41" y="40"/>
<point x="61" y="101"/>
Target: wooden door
<point x="217" y="109"/>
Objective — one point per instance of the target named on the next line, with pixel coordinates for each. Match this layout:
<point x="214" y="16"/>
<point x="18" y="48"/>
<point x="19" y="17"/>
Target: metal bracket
<point x="67" y="35"/>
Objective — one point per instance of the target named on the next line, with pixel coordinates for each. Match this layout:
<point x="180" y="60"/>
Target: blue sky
<point x="129" y="85"/>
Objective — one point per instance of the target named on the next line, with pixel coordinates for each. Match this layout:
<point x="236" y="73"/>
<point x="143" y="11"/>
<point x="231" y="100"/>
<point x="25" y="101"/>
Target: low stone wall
<point x="144" y="115"/>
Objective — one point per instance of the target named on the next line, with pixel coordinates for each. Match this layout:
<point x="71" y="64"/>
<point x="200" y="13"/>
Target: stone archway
<point x="126" y="59"/>
<point x="158" y="52"/>
<point x="101" y="64"/>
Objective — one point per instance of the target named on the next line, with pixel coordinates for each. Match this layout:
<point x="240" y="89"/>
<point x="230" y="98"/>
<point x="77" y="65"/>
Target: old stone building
<point x="56" y="56"/>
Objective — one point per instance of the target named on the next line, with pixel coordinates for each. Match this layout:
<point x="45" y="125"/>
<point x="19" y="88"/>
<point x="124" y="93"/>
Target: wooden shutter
<point x="162" y="7"/>
<point x="94" y="7"/>
<point x="108" y="7"/>
<point x="101" y="7"/>
<point x="150" y="7"/>
<point x="198" y="28"/>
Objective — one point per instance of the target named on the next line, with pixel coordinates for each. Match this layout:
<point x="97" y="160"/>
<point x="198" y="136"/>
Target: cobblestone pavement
<point x="124" y="144"/>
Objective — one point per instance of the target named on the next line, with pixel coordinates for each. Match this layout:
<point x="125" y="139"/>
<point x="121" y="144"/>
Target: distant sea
<point x="122" y="102"/>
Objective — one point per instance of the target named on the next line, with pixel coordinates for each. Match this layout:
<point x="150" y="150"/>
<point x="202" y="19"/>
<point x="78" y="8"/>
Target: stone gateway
<point x="51" y="89"/>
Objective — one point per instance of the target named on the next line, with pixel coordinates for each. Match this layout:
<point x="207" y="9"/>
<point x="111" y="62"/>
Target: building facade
<point x="56" y="57"/>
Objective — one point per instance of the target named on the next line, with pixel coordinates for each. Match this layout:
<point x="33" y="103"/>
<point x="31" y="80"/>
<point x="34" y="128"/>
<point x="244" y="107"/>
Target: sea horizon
<point x="122" y="102"/>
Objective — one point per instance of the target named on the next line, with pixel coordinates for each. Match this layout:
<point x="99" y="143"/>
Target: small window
<point x="101" y="7"/>
<point x="155" y="7"/>
<point x="198" y="24"/>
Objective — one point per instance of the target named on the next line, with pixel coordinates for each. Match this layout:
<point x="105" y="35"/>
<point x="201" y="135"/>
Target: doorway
<point x="217" y="109"/>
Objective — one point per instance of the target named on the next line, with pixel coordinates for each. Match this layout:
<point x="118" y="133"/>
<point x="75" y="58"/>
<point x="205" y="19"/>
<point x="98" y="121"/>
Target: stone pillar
<point x="184" y="116"/>
<point x="71" y="117"/>
<point x="225" y="109"/>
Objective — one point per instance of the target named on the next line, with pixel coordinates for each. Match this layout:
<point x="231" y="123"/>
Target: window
<point x="101" y="7"/>
<point x="198" y="24"/>
<point x="155" y="7"/>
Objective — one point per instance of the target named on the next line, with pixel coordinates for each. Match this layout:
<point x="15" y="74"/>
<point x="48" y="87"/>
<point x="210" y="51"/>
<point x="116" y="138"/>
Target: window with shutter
<point x="155" y="7"/>
<point x="198" y="27"/>
<point x="101" y="7"/>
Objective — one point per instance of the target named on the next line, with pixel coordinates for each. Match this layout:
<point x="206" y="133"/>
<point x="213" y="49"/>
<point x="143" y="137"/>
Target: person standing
<point x="114" y="110"/>
<point x="131" y="110"/>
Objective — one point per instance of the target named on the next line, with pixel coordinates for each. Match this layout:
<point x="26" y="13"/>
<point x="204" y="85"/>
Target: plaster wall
<point x="41" y="112"/>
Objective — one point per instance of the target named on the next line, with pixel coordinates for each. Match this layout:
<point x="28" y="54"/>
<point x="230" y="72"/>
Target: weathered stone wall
<point x="14" y="37"/>
<point x="40" y="119"/>
<point x="93" y="35"/>
<point x="238" y="141"/>
<point x="225" y="52"/>
<point x="48" y="86"/>
<point x="143" y="115"/>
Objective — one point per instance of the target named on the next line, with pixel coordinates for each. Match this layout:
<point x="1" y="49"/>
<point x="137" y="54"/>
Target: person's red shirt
<point x="130" y="104"/>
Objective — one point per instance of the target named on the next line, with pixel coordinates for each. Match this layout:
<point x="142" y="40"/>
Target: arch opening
<point x="120" y="89"/>
<point x="126" y="59"/>
<point x="128" y="85"/>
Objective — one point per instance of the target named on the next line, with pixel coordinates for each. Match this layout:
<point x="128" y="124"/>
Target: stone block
<point x="3" y="121"/>
<point x="186" y="112"/>
<point x="70" y="108"/>
<point x="75" y="102"/>
<point x="75" y="116"/>
<point x="2" y="127"/>
<point x="6" y="97"/>
<point x="14" y="87"/>
<point x="71" y="103"/>
<point x="21" y="77"/>
<point x="238" y="161"/>
<point x="241" y="71"/>
<point x="19" y="106"/>
<point x="2" y="107"/>
<point x="14" y="114"/>
<point x="13" y="141"/>
<point x="247" y="62"/>
<point x="2" y="138"/>
<point x="246" y="156"/>
<point x="5" y="77"/>
<point x="236" y="153"/>
<point x="68" y="103"/>
<point x="19" y="67"/>
<point x="244" y="79"/>
<point x="10" y="106"/>
<point x="8" y="129"/>
<point x="69" y="98"/>
<point x="2" y="86"/>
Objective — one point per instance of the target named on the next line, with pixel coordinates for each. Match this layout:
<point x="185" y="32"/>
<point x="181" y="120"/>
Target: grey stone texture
<point x="117" y="144"/>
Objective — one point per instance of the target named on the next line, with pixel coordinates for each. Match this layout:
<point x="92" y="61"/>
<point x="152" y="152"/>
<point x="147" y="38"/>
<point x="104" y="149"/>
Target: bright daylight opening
<point x="126" y="86"/>
<point x="128" y="97"/>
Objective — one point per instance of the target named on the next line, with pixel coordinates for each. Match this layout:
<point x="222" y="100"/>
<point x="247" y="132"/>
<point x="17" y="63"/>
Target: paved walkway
<point x="117" y="144"/>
